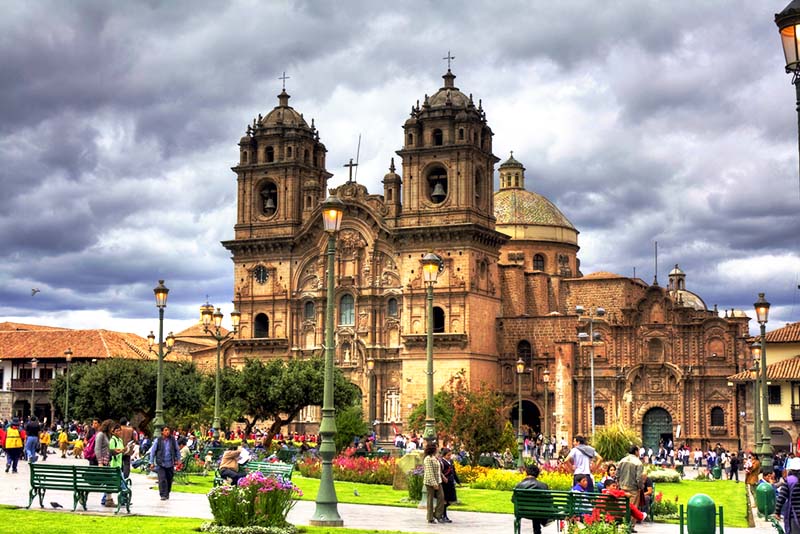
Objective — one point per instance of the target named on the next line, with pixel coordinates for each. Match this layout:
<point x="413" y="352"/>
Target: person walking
<point x="531" y="481"/>
<point x="44" y="442"/>
<point x="164" y="455"/>
<point x="13" y="446"/>
<point x="432" y="478"/>
<point x="734" y="467"/>
<point x="32" y="429"/>
<point x="63" y="442"/>
<point x="629" y="474"/>
<point x="449" y="481"/>
<point x="128" y="436"/>
<point x="752" y="471"/>
<point x="102" y="453"/>
<point x="581" y="459"/>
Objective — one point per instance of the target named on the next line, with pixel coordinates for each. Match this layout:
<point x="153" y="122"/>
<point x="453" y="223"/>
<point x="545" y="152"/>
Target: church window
<point x="244" y="156"/>
<point x="438" y="137"/>
<point x="717" y="416"/>
<point x="774" y="394"/>
<point x="269" y="199"/>
<point x="305" y="157"/>
<point x="347" y="315"/>
<point x="308" y="202"/>
<point x="437" y="184"/>
<point x="538" y="262"/>
<point x="288" y="152"/>
<point x="461" y="134"/>
<point x="261" y="326"/>
<point x="388" y="195"/>
<point x="269" y="154"/>
<point x="308" y="310"/>
<point x="438" y="320"/>
<point x="655" y="349"/>
<point x="478" y="189"/>
<point x="411" y="139"/>
<point x="391" y="307"/>
<point x="524" y="352"/>
<point x="599" y="416"/>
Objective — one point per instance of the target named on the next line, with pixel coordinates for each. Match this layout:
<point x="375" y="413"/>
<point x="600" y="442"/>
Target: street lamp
<point x="161" y="293"/>
<point x="591" y="337"/>
<point x="371" y="378"/>
<point x="546" y="380"/>
<point x="431" y="265"/>
<point x="788" y="22"/>
<point x="520" y="441"/>
<point x="766" y="452"/>
<point x="206" y="315"/>
<point x="34" y="363"/>
<point x="68" y="356"/>
<point x="756" y="351"/>
<point x="326" y="512"/>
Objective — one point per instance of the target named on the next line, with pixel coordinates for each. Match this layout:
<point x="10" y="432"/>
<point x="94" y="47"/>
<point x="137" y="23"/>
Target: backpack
<point x="88" y="451"/>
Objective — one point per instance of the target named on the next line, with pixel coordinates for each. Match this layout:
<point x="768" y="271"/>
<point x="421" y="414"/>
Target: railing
<point x="25" y="384"/>
<point x="796" y="413"/>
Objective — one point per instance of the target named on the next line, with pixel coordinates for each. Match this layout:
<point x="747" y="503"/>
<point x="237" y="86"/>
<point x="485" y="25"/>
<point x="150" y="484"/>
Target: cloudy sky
<point x="643" y="121"/>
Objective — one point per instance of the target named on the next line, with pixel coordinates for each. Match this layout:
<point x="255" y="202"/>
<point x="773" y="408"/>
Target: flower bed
<point x="595" y="523"/>
<point x="351" y="469"/>
<point x="255" y="501"/>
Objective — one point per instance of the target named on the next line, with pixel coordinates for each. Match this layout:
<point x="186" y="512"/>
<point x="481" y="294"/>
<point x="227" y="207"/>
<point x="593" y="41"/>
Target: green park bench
<point x="553" y="505"/>
<point x="266" y="468"/>
<point x="80" y="480"/>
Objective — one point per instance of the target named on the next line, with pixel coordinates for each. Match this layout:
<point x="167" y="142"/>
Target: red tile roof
<point x="783" y="370"/>
<point x="788" y="334"/>
<point x="13" y="327"/>
<point x="45" y="343"/>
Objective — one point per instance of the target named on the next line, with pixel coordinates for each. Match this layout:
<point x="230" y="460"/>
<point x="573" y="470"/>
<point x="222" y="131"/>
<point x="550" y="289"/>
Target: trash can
<point x="717" y="472"/>
<point x="701" y="513"/>
<point x="765" y="499"/>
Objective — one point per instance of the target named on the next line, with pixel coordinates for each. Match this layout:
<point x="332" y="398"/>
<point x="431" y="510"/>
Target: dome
<point x="687" y="299"/>
<point x="457" y="98"/>
<point x="526" y="215"/>
<point x="283" y="114"/>
<point x="676" y="271"/>
<point x="511" y="162"/>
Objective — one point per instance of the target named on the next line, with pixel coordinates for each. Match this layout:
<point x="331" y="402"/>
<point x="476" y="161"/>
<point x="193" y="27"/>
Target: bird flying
<point x="35" y="290"/>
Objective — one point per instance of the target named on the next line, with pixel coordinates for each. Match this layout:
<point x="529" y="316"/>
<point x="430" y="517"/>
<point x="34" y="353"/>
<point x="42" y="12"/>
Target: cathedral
<point x="510" y="288"/>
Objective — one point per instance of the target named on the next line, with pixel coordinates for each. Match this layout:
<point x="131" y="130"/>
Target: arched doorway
<point x="780" y="439"/>
<point x="531" y="417"/>
<point x="656" y="426"/>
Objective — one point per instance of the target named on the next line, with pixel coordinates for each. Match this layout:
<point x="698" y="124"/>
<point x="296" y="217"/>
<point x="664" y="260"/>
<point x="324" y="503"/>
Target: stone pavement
<point x="14" y="491"/>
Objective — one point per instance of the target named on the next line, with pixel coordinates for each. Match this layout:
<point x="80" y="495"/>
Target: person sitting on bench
<point x="612" y="488"/>
<point x="229" y="465"/>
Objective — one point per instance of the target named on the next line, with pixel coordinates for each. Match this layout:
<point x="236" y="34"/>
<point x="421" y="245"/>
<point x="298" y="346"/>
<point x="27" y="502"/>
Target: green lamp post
<point x="431" y="266"/>
<point x="766" y="452"/>
<point x="68" y="357"/>
<point x="207" y="314"/>
<point x="755" y="349"/>
<point x="326" y="512"/>
<point x="160" y="292"/>
<point x="520" y="439"/>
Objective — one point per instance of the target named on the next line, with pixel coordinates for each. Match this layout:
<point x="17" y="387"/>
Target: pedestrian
<point x="752" y="471"/>
<point x="734" y="467"/>
<point x="63" y="442"/>
<point x="128" y="436"/>
<point x="531" y="481"/>
<point x="432" y="478"/>
<point x="581" y="459"/>
<point x="787" y="500"/>
<point x="449" y="481"/>
<point x="629" y="474"/>
<point x="44" y="443"/>
<point x="102" y="453"/>
<point x="32" y="429"/>
<point x="13" y="445"/>
<point x="164" y="455"/>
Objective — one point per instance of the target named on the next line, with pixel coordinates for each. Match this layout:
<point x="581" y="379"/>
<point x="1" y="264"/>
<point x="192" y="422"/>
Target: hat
<point x="15" y="422"/>
<point x="793" y="464"/>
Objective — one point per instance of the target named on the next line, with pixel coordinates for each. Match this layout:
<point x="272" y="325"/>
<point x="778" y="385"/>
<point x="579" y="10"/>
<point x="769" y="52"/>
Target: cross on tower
<point x="351" y="165"/>
<point x="449" y="58"/>
<point x="284" y="78"/>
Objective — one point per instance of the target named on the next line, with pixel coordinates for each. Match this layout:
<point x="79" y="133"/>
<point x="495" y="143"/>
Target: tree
<point x="122" y="387"/>
<point x="442" y="413"/>
<point x="277" y="390"/>
<point x="349" y="424"/>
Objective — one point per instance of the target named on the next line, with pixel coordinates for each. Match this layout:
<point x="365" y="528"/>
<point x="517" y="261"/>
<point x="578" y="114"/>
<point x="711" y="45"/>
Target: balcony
<point x="25" y="384"/>
<point x="796" y="413"/>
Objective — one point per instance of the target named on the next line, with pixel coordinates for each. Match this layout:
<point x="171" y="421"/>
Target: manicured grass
<point x="37" y="521"/>
<point x="725" y="493"/>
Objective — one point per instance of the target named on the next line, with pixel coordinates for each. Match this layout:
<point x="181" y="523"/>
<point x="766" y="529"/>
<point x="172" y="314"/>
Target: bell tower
<point x="281" y="173"/>
<point x="448" y="164"/>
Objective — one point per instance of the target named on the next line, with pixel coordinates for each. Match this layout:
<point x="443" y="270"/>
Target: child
<point x="612" y="488"/>
<point x="77" y="447"/>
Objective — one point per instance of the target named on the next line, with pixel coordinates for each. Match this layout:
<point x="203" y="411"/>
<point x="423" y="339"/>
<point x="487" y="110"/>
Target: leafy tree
<point x="442" y="413"/>
<point x="277" y="390"/>
<point x="119" y="387"/>
<point x="349" y="424"/>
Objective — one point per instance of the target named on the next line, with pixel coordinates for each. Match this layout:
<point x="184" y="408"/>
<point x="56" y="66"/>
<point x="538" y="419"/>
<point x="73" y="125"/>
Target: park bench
<point x="266" y="468"/>
<point x="553" y="505"/>
<point x="80" y="480"/>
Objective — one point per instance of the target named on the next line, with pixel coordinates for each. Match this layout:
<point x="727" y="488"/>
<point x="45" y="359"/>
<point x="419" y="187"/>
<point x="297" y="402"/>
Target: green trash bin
<point x="765" y="498"/>
<point x="701" y="513"/>
<point x="717" y="472"/>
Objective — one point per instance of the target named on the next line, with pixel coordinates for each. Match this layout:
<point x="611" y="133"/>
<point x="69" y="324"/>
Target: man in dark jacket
<point x="32" y="429"/>
<point x="532" y="482"/>
<point x="164" y="454"/>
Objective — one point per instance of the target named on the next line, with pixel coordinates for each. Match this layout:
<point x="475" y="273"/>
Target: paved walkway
<point x="14" y="491"/>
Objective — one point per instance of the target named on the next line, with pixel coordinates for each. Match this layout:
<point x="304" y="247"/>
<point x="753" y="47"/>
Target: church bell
<point x="438" y="193"/>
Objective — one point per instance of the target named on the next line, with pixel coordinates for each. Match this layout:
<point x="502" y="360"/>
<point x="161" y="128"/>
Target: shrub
<point x="664" y="475"/>
<point x="218" y="529"/>
<point x="595" y="523"/>
<point x="556" y="480"/>
<point x="351" y="469"/>
<point x="498" y="479"/>
<point x="468" y="474"/>
<point x="613" y="442"/>
<point x="255" y="500"/>
<point x="662" y="507"/>
<point x="414" y="480"/>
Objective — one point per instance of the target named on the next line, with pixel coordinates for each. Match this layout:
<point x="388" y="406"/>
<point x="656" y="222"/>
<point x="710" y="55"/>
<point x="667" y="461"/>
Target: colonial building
<point x="508" y="289"/>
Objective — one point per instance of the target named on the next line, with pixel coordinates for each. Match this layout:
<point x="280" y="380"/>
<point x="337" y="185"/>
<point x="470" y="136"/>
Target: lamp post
<point x="756" y="351"/>
<point x="788" y="22"/>
<point x="766" y="452"/>
<point x="431" y="265"/>
<point x="160" y="292"/>
<point x="371" y="378"/>
<point x="520" y="440"/>
<point x="546" y="381"/>
<point x="68" y="356"/>
<point x="326" y="512"/>
<point x="34" y="363"/>
<point x="206" y="315"/>
<point x="590" y="337"/>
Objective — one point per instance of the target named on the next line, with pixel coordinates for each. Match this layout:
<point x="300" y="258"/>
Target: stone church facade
<point x="508" y="288"/>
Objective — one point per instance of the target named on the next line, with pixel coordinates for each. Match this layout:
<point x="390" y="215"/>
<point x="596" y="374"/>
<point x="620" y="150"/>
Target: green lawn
<point x="37" y="521"/>
<point x="724" y="492"/>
